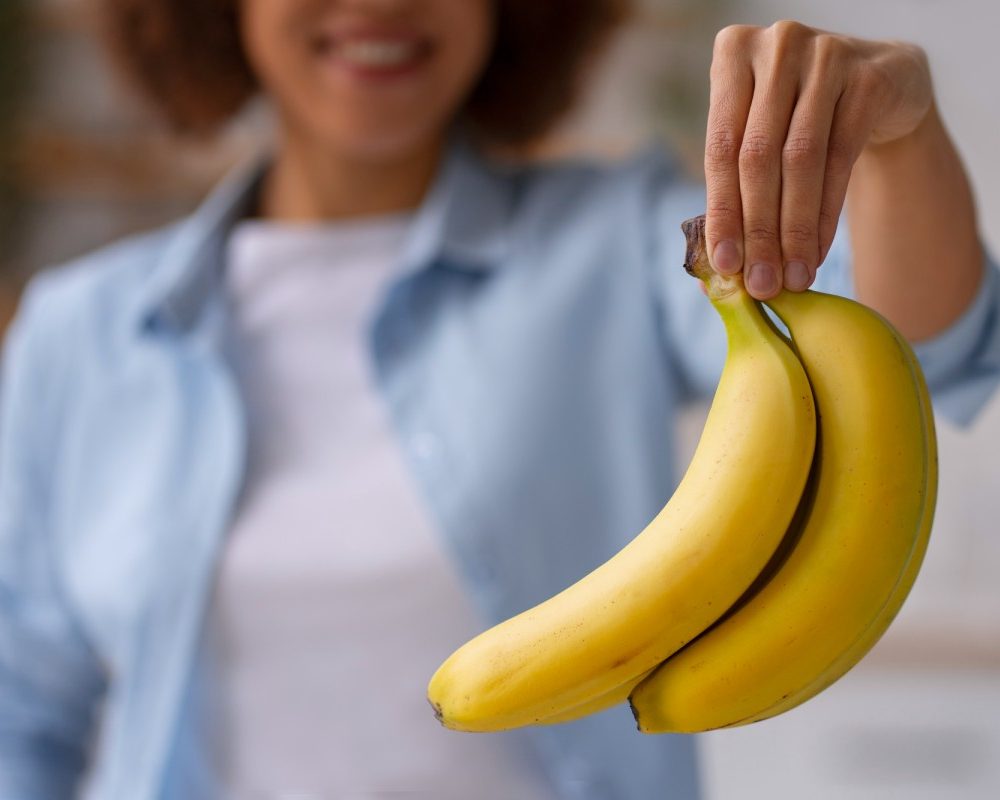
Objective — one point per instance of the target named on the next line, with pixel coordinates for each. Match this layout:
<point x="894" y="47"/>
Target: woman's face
<point x="370" y="79"/>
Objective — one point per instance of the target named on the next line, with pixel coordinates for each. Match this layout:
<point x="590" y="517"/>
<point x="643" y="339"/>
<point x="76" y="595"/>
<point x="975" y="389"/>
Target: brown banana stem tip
<point x="696" y="261"/>
<point x="696" y="257"/>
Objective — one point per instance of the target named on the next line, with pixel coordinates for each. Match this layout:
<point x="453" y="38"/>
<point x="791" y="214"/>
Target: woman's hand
<point x="792" y="108"/>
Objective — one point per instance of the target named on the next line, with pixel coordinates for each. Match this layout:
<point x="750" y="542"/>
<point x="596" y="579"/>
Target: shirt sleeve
<point x="962" y="364"/>
<point x="50" y="680"/>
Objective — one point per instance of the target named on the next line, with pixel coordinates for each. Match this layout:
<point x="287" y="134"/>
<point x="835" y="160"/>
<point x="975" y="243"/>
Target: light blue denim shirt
<point x="533" y="349"/>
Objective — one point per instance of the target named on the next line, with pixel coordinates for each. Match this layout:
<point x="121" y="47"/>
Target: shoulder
<point x="100" y="287"/>
<point x="104" y="280"/>
<point x="71" y="312"/>
<point x="70" y="326"/>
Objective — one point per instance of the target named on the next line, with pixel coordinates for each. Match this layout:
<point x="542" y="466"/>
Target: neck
<point x="311" y="183"/>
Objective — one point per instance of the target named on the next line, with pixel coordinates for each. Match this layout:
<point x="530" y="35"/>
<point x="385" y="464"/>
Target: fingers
<point x="732" y="86"/>
<point x="755" y="82"/>
<point x="760" y="168"/>
<point x="804" y="171"/>
<point x="791" y="109"/>
<point x="853" y="120"/>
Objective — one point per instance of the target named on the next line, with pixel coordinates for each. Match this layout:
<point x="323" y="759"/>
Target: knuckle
<point x="755" y="143"/>
<point x="721" y="209"/>
<point x="915" y="51"/>
<point x="761" y="233"/>
<point x="725" y="40"/>
<point x="789" y="45"/>
<point x="722" y="148"/>
<point x="918" y="55"/>
<point x="732" y="39"/>
<point x="785" y="30"/>
<point x="756" y="154"/>
<point x="828" y="50"/>
<point x="801" y="152"/>
<point x="799" y="235"/>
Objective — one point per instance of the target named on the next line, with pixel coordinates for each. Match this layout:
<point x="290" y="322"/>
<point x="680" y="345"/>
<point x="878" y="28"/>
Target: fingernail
<point x="726" y="257"/>
<point x="762" y="279"/>
<point x="796" y="276"/>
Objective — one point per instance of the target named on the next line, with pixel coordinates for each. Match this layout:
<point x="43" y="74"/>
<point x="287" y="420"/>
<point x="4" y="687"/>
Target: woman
<point x="263" y="469"/>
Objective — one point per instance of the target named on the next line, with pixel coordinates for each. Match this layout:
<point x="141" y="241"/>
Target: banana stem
<point x="697" y="264"/>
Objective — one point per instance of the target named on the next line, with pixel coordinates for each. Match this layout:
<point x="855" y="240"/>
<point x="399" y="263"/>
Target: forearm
<point x="917" y="254"/>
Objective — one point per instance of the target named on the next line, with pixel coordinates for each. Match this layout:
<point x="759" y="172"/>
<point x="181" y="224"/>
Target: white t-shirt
<point x="334" y="600"/>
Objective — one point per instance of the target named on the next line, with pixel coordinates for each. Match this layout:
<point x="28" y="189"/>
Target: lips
<point x="373" y="54"/>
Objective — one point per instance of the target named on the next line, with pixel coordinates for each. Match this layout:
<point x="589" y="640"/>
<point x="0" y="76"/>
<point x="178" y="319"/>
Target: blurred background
<point x="81" y="163"/>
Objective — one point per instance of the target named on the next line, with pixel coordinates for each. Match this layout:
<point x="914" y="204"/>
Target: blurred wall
<point x="88" y="163"/>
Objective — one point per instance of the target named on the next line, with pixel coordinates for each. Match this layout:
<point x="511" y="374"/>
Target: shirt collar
<point x="463" y="223"/>
<point x="465" y="219"/>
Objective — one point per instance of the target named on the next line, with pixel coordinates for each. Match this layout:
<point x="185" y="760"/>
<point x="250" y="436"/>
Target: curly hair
<point x="186" y="58"/>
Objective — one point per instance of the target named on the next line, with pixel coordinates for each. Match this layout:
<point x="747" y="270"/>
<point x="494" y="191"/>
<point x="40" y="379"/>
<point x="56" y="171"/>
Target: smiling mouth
<point x="374" y="55"/>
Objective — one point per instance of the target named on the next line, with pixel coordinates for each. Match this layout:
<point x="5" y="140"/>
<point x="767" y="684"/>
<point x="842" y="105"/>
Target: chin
<point x="386" y="142"/>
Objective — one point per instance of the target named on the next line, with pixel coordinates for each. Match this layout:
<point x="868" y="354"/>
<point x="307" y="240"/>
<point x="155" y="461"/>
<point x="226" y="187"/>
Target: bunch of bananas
<point x="782" y="557"/>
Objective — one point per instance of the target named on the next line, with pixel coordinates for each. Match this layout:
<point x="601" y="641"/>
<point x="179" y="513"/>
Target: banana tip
<point x="635" y="716"/>
<point x="438" y="713"/>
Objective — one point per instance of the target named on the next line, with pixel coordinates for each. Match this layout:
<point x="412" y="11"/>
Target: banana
<point x="597" y="704"/>
<point x="690" y="563"/>
<point x="850" y="657"/>
<point x="860" y="543"/>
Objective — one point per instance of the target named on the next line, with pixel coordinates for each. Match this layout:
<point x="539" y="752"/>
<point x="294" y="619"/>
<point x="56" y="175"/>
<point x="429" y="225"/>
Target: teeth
<point x="370" y="53"/>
